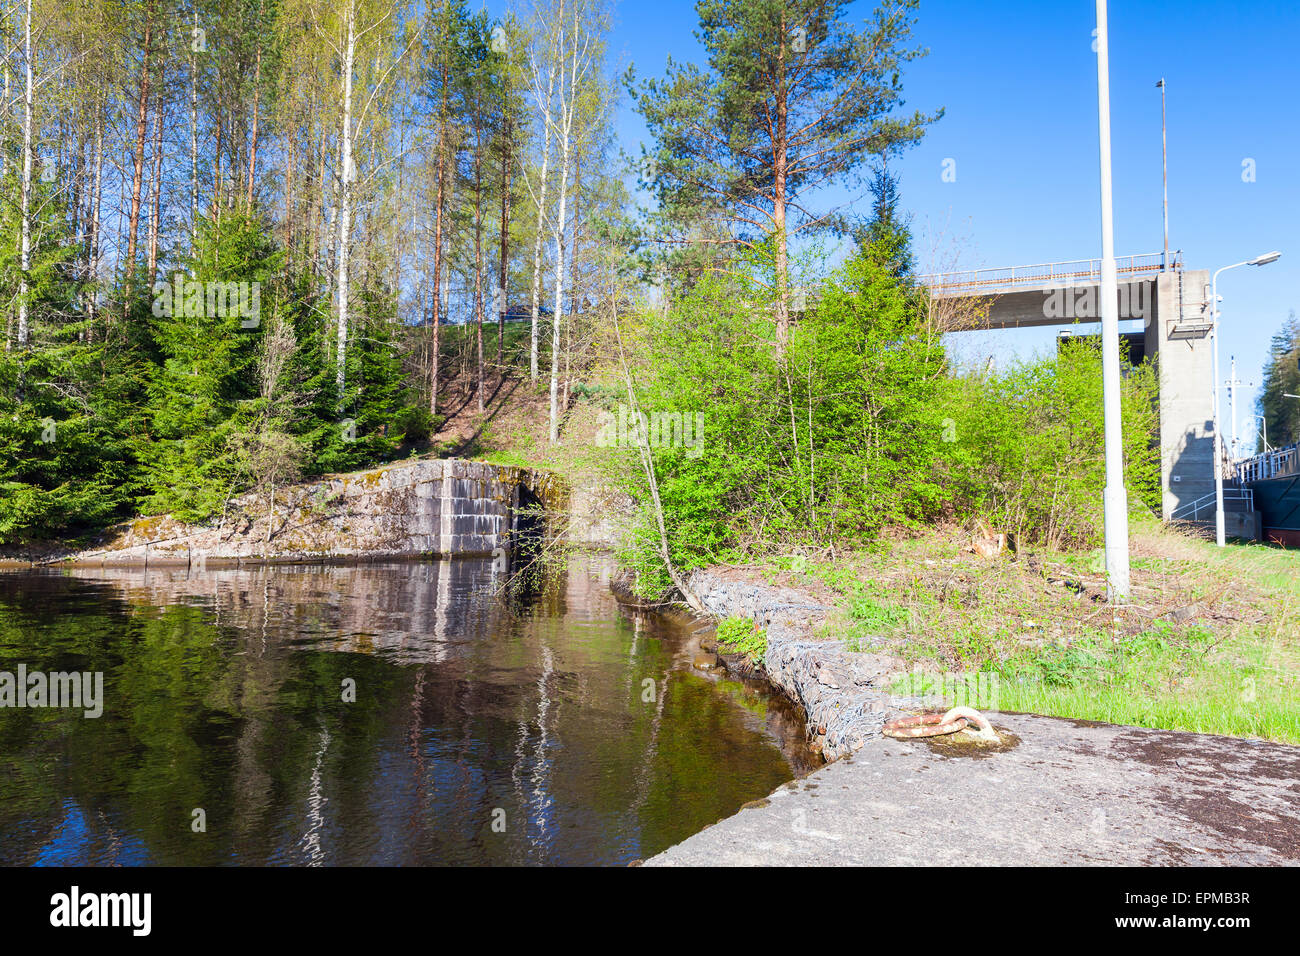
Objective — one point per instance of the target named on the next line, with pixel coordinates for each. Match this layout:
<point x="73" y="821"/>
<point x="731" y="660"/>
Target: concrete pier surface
<point x="1060" y="792"/>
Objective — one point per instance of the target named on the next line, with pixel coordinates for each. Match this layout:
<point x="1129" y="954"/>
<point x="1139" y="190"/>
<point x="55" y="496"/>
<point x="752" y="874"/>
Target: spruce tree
<point x="68" y="400"/>
<point x="886" y="237"/>
<point x="1281" y="379"/>
<point x="205" y="385"/>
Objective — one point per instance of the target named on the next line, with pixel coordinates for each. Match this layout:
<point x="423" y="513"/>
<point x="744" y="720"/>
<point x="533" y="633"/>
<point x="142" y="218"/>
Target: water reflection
<point x="491" y="725"/>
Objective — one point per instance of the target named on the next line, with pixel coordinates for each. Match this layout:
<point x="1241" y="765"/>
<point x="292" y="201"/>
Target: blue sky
<point x="1018" y="83"/>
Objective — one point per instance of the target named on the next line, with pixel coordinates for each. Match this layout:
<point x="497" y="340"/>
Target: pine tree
<point x="794" y="98"/>
<point x="381" y="409"/>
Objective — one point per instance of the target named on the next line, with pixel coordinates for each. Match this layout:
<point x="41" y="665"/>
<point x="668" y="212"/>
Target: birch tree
<point x="360" y="39"/>
<point x="544" y="67"/>
<point x="26" y="200"/>
<point x="580" y="48"/>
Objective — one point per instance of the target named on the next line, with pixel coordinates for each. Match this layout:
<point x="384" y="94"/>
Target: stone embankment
<point x="845" y="694"/>
<point x="444" y="507"/>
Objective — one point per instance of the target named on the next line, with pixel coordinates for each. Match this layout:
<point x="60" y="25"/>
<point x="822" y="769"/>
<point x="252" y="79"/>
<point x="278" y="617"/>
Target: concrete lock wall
<point x="441" y="507"/>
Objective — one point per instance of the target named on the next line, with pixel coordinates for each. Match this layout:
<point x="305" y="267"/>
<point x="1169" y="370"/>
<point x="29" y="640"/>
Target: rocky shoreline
<point x="844" y="694"/>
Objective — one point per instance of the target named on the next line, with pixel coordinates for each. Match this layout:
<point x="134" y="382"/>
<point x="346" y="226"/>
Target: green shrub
<point x="740" y="635"/>
<point x="864" y="425"/>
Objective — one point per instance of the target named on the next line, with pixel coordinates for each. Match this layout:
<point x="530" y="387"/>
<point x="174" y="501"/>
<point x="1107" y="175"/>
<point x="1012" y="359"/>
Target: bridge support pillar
<point x="1178" y="332"/>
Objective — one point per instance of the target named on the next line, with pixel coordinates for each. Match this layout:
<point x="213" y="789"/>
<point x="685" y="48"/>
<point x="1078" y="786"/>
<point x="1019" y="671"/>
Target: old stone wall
<point x="445" y="507"/>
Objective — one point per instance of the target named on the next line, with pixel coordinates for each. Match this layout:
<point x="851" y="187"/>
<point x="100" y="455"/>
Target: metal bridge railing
<point x="1278" y="463"/>
<point x="990" y="281"/>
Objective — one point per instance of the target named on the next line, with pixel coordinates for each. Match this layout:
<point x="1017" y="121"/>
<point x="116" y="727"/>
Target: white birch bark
<point x="545" y="106"/>
<point x="345" y="201"/>
<point x="577" y="67"/>
<point x="25" y="261"/>
<point x="194" y="134"/>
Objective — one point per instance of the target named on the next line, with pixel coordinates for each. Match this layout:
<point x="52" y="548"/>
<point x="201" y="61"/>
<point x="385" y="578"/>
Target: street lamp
<point x="1219" y="532"/>
<point x="1114" y="497"/>
<point x="1164" y="153"/>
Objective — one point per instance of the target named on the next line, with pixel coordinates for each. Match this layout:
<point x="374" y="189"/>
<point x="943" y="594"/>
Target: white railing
<point x="1278" y="463"/>
<point x="988" y="281"/>
<point x="1193" y="510"/>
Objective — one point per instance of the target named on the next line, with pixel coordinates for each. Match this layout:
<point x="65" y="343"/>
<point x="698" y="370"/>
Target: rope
<point x="935" y="725"/>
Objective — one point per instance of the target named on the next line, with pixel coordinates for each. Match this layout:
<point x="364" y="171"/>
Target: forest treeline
<point x="247" y="241"/>
<point x="234" y="232"/>
<point x="1278" y="403"/>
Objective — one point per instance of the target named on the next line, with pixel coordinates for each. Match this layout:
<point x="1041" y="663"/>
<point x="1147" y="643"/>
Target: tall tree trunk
<point x="4" y="119"/>
<point x="780" y="162"/>
<point x="97" y="196"/>
<point x="439" y="203"/>
<point x="568" y="104"/>
<point x="289" y="197"/>
<point x="141" y="129"/>
<point x="478" y="252"/>
<point x="257" y="99"/>
<point x="574" y="289"/>
<point x="345" y="203"/>
<point x="553" y="67"/>
<point x="216" y="158"/>
<point x="78" y="176"/>
<point x="155" y="214"/>
<point x="25" y="254"/>
<point x="506" y="182"/>
<point x="320" y="233"/>
<point x="194" y="133"/>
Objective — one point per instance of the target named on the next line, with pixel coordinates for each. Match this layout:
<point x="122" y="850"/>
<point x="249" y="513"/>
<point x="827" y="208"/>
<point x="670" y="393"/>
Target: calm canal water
<point x="542" y="724"/>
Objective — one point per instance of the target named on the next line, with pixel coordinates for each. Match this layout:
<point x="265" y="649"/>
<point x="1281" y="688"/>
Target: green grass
<point x="1158" y="678"/>
<point x="1210" y="643"/>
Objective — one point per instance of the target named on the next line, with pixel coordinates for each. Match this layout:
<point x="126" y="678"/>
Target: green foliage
<point x="886" y="237"/>
<point x="1282" y="377"/>
<point x="864" y="422"/>
<point x="865" y="426"/>
<point x="740" y="635"/>
<point x="203" y="389"/>
<point x="68" y="401"/>
<point x="876" y="616"/>
<point x="828" y="447"/>
<point x="836" y="83"/>
<point x="220" y="380"/>
<point x="1027" y="445"/>
<point x="67" y="444"/>
<point x="380" y="409"/>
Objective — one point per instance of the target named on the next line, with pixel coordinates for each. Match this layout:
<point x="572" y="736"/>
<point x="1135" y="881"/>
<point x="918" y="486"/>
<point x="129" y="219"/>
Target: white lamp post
<point x="1115" y="497"/>
<point x="1219" y="533"/>
<point x="1164" y="153"/>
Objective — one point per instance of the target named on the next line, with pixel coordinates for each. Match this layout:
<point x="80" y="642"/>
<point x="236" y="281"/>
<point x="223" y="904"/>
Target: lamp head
<point x="1265" y="259"/>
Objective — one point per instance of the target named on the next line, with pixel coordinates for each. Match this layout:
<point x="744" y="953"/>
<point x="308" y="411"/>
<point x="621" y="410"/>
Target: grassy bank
<point x="1210" y="643"/>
